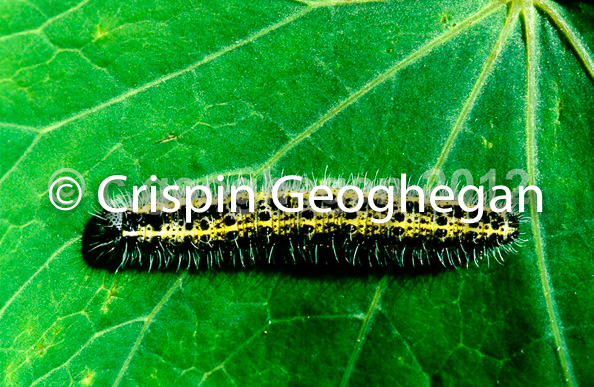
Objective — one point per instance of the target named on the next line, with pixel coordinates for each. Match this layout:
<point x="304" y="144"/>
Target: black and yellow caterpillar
<point x="217" y="239"/>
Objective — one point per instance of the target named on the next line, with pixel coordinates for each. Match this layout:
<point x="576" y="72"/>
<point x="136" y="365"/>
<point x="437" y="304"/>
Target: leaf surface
<point x="192" y="89"/>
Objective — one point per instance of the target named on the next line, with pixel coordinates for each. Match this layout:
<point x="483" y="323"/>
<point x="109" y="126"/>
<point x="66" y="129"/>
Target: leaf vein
<point x="470" y="101"/>
<point x="132" y="92"/>
<point x="85" y="345"/>
<point x="569" y="32"/>
<point x="380" y="79"/>
<point x="148" y="321"/>
<point x="45" y="23"/>
<point x="365" y="328"/>
<point x="531" y="160"/>
<point x="32" y="277"/>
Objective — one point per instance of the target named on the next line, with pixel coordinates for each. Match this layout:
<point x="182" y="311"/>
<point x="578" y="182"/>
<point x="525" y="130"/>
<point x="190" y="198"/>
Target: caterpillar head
<point x="100" y="239"/>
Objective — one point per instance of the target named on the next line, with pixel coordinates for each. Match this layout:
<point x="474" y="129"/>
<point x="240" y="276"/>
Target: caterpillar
<point x="153" y="239"/>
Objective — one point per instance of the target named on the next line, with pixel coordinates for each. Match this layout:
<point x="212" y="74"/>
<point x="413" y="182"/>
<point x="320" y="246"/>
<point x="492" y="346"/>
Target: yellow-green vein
<point x="568" y="31"/>
<point x="147" y="323"/>
<point x="472" y="97"/>
<point x="45" y="23"/>
<point x="365" y="327"/>
<point x="32" y="277"/>
<point x="383" y="77"/>
<point x="132" y="92"/>
<point x="86" y="345"/>
<point x="531" y="160"/>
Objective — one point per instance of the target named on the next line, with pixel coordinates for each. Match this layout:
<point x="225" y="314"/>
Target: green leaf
<point x="190" y="89"/>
